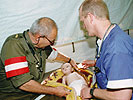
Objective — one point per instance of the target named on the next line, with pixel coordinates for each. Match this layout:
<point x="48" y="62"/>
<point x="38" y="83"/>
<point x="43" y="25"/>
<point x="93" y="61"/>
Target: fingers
<point x="66" y="91"/>
<point x="82" y="96"/>
<point x="85" y="67"/>
<point x="85" y="93"/>
<point x="62" y="91"/>
<point x="88" y="63"/>
<point x="73" y="63"/>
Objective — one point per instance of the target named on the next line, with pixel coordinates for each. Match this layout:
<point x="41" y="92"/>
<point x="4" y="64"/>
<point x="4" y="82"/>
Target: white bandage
<point x="80" y="65"/>
<point x="77" y="85"/>
<point x="53" y="54"/>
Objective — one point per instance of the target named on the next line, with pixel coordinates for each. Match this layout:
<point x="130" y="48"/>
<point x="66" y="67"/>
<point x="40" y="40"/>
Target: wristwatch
<point x="91" y="92"/>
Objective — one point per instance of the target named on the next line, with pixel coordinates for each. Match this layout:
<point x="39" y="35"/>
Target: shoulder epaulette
<point x="16" y="36"/>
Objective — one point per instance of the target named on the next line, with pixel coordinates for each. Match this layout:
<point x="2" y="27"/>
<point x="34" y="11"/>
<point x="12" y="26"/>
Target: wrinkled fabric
<point x="77" y="85"/>
<point x="116" y="61"/>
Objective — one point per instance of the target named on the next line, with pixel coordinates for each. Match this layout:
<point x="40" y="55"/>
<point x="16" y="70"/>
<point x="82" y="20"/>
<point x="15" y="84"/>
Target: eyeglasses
<point x="51" y="42"/>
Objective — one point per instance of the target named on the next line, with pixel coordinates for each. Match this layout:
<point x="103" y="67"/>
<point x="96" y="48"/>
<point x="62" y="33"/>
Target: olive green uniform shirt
<point x="18" y="46"/>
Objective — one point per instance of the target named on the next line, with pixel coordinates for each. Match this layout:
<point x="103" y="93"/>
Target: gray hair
<point x="43" y="26"/>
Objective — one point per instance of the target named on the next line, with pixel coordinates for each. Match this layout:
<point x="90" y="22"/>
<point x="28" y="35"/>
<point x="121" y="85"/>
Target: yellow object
<point x="55" y="80"/>
<point x="16" y="36"/>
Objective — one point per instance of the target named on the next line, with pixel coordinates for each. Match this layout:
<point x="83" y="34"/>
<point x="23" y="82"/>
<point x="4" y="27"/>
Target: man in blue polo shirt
<point x="115" y="54"/>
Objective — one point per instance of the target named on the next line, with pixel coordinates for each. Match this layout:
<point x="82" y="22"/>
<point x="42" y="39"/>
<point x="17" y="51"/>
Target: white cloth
<point x="77" y="85"/>
<point x="53" y="55"/>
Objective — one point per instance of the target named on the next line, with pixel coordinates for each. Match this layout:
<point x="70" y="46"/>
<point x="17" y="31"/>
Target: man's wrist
<point x="92" y="92"/>
<point x="69" y="60"/>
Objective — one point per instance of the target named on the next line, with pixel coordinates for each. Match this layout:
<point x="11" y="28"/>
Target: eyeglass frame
<point x="51" y="42"/>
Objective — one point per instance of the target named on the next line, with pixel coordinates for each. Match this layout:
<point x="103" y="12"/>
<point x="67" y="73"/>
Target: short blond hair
<point x="95" y="7"/>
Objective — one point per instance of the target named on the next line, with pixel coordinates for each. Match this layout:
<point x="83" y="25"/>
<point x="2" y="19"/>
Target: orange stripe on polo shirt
<point x="16" y="66"/>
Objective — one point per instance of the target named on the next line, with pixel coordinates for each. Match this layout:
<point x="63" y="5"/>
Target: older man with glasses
<point x="22" y="63"/>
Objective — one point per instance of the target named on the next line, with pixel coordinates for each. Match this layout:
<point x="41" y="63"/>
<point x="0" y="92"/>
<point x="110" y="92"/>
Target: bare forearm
<point x="65" y="59"/>
<point x="35" y="87"/>
<point x="123" y="94"/>
<point x="62" y="58"/>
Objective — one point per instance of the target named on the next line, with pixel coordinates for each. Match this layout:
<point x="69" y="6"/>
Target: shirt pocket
<point x="32" y="64"/>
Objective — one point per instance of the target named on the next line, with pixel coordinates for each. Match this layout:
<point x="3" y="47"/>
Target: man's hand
<point x="61" y="91"/>
<point x="85" y="93"/>
<point x="88" y="63"/>
<point x="35" y="87"/>
<point x="73" y="63"/>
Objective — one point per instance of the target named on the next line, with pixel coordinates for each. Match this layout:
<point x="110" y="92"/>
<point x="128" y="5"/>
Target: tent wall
<point x="18" y="15"/>
<point x="84" y="49"/>
<point x="121" y="12"/>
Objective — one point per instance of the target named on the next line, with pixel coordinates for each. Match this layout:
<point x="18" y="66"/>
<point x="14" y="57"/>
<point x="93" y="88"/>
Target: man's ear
<point x="90" y="17"/>
<point x="37" y="35"/>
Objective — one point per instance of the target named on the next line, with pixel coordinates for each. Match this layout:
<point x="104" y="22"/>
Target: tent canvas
<point x="18" y="15"/>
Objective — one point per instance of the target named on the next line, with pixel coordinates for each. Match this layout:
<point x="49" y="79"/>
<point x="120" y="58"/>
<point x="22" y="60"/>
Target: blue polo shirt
<point x="116" y="61"/>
